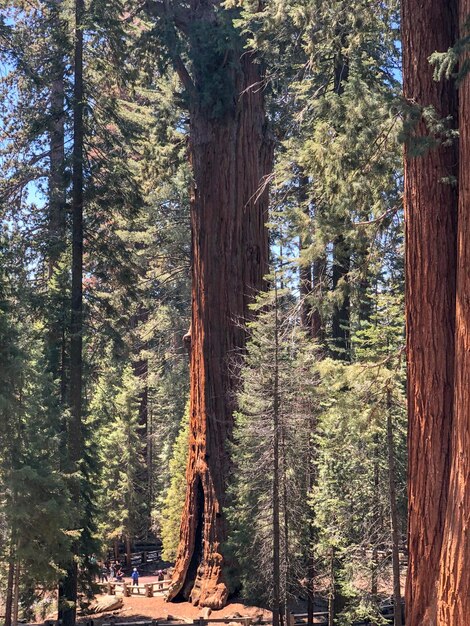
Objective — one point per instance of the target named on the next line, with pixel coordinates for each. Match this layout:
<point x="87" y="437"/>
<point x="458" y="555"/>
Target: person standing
<point x="103" y="573"/>
<point x="135" y="577"/>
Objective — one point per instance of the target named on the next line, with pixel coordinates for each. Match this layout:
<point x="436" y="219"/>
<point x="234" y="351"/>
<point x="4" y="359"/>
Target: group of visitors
<point x="111" y="570"/>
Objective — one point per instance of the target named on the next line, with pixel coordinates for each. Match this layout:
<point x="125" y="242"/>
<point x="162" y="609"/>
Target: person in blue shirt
<point x="135" y="577"/>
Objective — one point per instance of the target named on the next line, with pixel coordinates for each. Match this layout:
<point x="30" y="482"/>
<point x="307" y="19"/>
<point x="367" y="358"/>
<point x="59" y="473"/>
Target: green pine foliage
<point x="115" y="414"/>
<point x="279" y="360"/>
<point x="351" y="500"/>
<point x="169" y="518"/>
<point x="36" y="528"/>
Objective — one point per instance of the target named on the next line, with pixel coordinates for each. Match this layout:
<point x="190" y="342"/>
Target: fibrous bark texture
<point x="231" y="158"/>
<point x="454" y="592"/>
<point x="430" y="211"/>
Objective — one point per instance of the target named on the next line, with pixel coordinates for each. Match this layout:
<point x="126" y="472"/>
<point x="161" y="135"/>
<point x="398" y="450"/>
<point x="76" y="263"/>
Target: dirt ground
<point x="139" y="608"/>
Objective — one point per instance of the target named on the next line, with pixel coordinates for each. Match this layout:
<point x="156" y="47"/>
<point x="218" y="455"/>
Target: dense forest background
<point x="97" y="109"/>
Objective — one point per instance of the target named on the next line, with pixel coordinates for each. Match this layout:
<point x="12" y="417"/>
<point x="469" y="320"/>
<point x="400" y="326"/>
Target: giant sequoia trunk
<point x="430" y="205"/>
<point x="230" y="158"/>
<point x="454" y="592"/>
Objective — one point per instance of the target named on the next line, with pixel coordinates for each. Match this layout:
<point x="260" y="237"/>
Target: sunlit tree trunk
<point x="230" y="157"/>
<point x="454" y="591"/>
<point x="430" y="212"/>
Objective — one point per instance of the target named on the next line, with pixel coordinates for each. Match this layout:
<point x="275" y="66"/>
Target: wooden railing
<point x="128" y="589"/>
<point x="138" y="558"/>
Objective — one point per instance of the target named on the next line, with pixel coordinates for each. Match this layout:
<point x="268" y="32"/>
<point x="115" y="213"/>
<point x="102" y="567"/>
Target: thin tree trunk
<point x="318" y="285"/>
<point x="57" y="186"/>
<point x="374" y="583"/>
<point x="377" y="522"/>
<point x="140" y="366"/>
<point x="75" y="443"/>
<point x="75" y="437"/>
<point x="276" y="491"/>
<point x="311" y="481"/>
<point x="305" y="269"/>
<point x="285" y="504"/>
<point x="430" y="219"/>
<point x="331" y="594"/>
<point x="9" y="590"/>
<point x="365" y="300"/>
<point x="16" y="596"/>
<point x="128" y="551"/>
<point x="340" y="326"/>
<point x="150" y="455"/>
<point x="230" y="157"/>
<point x="454" y="584"/>
<point x="395" y="529"/>
<point x="57" y="212"/>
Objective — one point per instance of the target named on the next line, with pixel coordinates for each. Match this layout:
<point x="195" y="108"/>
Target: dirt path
<point x="138" y="608"/>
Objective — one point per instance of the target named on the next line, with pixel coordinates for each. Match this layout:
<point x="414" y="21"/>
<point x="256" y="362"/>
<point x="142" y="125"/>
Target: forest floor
<point x="140" y="608"/>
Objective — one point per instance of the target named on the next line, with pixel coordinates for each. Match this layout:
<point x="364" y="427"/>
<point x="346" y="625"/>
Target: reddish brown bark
<point x="230" y="157"/>
<point x="454" y="591"/>
<point x="430" y="206"/>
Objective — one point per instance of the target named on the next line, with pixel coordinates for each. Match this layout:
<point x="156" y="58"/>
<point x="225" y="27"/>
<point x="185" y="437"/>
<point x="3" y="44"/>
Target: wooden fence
<point x="128" y="589"/>
<point x="139" y="558"/>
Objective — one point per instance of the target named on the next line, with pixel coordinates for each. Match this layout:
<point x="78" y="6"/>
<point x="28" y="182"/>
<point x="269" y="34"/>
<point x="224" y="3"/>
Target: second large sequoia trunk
<point x="231" y="158"/>
<point x="431" y="207"/>
<point x="454" y="597"/>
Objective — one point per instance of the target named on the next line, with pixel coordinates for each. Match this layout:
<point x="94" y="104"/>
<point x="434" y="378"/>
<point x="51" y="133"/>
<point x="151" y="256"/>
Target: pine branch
<point x="180" y="19"/>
